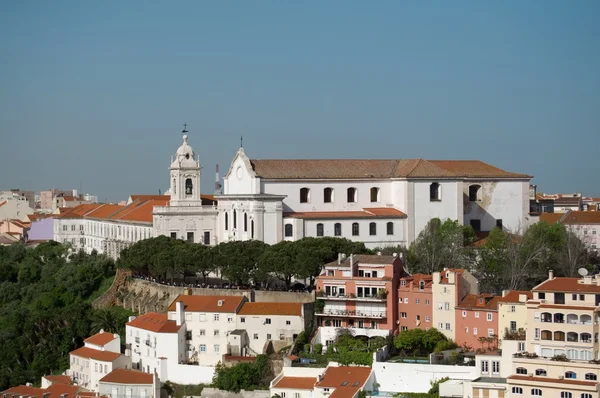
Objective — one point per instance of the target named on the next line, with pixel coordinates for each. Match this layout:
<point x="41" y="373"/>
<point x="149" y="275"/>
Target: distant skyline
<point x="98" y="92"/>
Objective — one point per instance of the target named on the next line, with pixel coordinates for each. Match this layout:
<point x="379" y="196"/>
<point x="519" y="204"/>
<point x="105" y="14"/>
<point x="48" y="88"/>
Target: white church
<point x="375" y="201"/>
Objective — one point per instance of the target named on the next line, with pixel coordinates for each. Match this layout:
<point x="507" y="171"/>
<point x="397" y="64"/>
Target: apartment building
<point x="129" y="383"/>
<point x="208" y="320"/>
<point x="584" y="224"/>
<point x="477" y="317"/>
<point x="449" y="288"/>
<point x="99" y="356"/>
<point x="512" y="314"/>
<point x="359" y="292"/>
<point x="415" y="302"/>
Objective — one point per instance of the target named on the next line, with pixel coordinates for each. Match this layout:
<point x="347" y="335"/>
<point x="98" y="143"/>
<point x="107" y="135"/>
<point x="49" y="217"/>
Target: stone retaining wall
<point x="108" y="298"/>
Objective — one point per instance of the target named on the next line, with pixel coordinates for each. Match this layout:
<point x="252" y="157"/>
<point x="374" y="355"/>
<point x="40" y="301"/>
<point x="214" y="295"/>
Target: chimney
<point x="379" y="253"/>
<point x="131" y="318"/>
<point x="179" y="313"/>
<point x="395" y="255"/>
<point x="550" y="274"/>
<point x="75" y="193"/>
<point x="351" y="260"/>
<point x="505" y="292"/>
<point x="522" y="298"/>
<point x="339" y="258"/>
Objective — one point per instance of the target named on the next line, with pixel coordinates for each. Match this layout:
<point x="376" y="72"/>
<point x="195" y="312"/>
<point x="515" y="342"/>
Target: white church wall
<point x="423" y="209"/>
<point x="239" y="180"/>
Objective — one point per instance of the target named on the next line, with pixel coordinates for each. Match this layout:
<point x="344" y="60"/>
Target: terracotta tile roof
<point x="548" y="380"/>
<point x="568" y="307"/>
<point x="582" y="217"/>
<point x="485" y="302"/>
<point x="381" y="212"/>
<point x="296" y="383"/>
<point x="59" y="379"/>
<point x="375" y="168"/>
<point x="457" y="271"/>
<point x="566" y="285"/>
<point x="155" y="322"/>
<point x="551" y="218"/>
<point x="59" y="390"/>
<point x="139" y="210"/>
<point x="3" y="203"/>
<point x="24" y="391"/>
<point x="104" y="211"/>
<point x="229" y="304"/>
<point x="346" y="380"/>
<point x="513" y="296"/>
<point x="567" y="201"/>
<point x="149" y="197"/>
<point x="86" y="352"/>
<point x="291" y="309"/>
<point x="365" y="259"/>
<point x="78" y="211"/>
<point x="128" y="376"/>
<point x="100" y="339"/>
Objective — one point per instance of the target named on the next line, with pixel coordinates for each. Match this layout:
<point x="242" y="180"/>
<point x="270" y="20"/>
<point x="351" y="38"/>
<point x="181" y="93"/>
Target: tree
<point x="280" y="260"/>
<point x="419" y="340"/>
<point x="104" y="320"/>
<point x="573" y="253"/>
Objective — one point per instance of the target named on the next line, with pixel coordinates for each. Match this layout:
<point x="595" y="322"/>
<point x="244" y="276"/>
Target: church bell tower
<point x="185" y="176"/>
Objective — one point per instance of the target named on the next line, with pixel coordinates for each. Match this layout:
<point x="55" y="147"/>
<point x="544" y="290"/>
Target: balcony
<point x="137" y="340"/>
<point x="345" y="297"/>
<point x="352" y="314"/>
<point x="150" y="344"/>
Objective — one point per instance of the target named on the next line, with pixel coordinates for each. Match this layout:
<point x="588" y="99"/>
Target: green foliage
<point x="419" y="341"/>
<point x="435" y="385"/>
<point x="318" y="348"/>
<point x="444" y="345"/>
<point x="183" y="390"/>
<point x="247" y="376"/>
<point x="44" y="307"/>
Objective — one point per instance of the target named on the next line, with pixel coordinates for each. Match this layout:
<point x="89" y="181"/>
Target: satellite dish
<point x="582" y="271"/>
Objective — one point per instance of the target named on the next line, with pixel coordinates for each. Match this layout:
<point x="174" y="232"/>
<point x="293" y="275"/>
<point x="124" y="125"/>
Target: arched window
<point x="570" y="375"/>
<point x="375" y="194"/>
<point x="188" y="187"/>
<point x="540" y="372"/>
<point x="234" y="219"/>
<point x="352" y="195"/>
<point x="586" y="338"/>
<point x="289" y="231"/>
<point x="174" y="187"/>
<point x="355" y="229"/>
<point x="304" y="195"/>
<point x="319" y="229"/>
<point x="252" y="229"/>
<point x="591" y="376"/>
<point x="536" y="392"/>
<point x="328" y="195"/>
<point x="566" y="394"/>
<point x="521" y="371"/>
<point x="245" y="222"/>
<point x="586" y="395"/>
<point x="546" y="335"/>
<point x="517" y="390"/>
<point x="558" y="336"/>
<point x="372" y="229"/>
<point x="390" y="228"/>
<point x="572" y="337"/>
<point x="435" y="192"/>
<point x="474" y="193"/>
<point x="337" y="229"/>
<point x="226" y="221"/>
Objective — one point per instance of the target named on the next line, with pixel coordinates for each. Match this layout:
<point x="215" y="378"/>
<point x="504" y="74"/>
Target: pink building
<point x="476" y="317"/>
<point x="359" y="292"/>
<point x="415" y="302"/>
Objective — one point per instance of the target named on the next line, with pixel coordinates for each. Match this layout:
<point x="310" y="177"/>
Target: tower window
<point x="304" y="195"/>
<point x="289" y="230"/>
<point x="352" y="195"/>
<point x="474" y="193"/>
<point x="226" y="221"/>
<point x="251" y="229"/>
<point x="328" y="195"/>
<point x="337" y="229"/>
<point x="245" y="222"/>
<point x="174" y="186"/>
<point x="435" y="192"/>
<point x="375" y="194"/>
<point x="188" y="187"/>
<point x="234" y="219"/>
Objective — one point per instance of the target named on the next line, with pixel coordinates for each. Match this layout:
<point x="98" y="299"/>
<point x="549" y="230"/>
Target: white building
<point x="279" y="323"/>
<point x="154" y="343"/>
<point x="208" y="320"/>
<point x="99" y="356"/>
<point x="585" y="224"/>
<point x="14" y="206"/>
<point x="129" y="383"/>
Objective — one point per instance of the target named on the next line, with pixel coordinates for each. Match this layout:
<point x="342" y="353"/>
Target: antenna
<point x="582" y="271"/>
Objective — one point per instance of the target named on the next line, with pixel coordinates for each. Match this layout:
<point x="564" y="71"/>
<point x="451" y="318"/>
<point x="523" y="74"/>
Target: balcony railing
<point x="353" y="297"/>
<point x="356" y="314"/>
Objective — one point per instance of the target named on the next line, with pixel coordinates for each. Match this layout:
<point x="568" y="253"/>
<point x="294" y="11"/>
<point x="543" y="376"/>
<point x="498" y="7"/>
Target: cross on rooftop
<point x="185" y="130"/>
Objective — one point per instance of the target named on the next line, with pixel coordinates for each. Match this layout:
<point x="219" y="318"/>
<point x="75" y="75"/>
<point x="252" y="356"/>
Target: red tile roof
<point x="373" y="212"/>
<point x="291" y="309"/>
<point x="100" y="339"/>
<point x="513" y="296"/>
<point x="296" y="383"/>
<point x="104" y="211"/>
<point x="566" y="285"/>
<point x="346" y="380"/>
<point x="3" y="203"/>
<point x="582" y="217"/>
<point x="364" y="259"/>
<point x="154" y="322"/>
<point x="128" y="376"/>
<point x="551" y="218"/>
<point x="229" y="304"/>
<point x="139" y="210"/>
<point x="59" y="390"/>
<point x="149" y="197"/>
<point x="60" y="379"/>
<point x="484" y="302"/>
<point x="54" y="391"/>
<point x="548" y="380"/>
<point x="24" y="391"/>
<point x="86" y="352"/>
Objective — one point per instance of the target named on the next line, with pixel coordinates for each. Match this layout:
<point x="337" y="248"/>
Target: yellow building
<point x="512" y="315"/>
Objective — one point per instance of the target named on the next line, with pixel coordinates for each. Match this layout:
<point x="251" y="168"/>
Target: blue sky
<point x="97" y="92"/>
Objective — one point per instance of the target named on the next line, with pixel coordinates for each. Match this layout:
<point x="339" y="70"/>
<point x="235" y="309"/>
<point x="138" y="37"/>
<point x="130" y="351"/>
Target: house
<point x="512" y="314"/>
<point x="208" y="320"/>
<point x="47" y="381"/>
<point x="449" y="288"/>
<point x="153" y="341"/>
<point x="358" y="292"/>
<point x="585" y="224"/>
<point x="477" y="317"/>
<point x="130" y="383"/>
<point x="55" y="390"/>
<point x="415" y="302"/>
<point x="99" y="356"/>
<point x="16" y="228"/>
<point x="278" y="323"/>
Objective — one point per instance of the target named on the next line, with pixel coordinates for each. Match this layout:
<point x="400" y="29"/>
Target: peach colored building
<point x="476" y="317"/>
<point x="359" y="292"/>
<point x="415" y="302"/>
<point x="512" y="314"/>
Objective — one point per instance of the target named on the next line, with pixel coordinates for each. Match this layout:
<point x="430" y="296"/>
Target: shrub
<point x="318" y="348"/>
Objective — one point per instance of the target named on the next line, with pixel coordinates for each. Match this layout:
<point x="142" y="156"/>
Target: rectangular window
<point x="475" y="331"/>
<point x="243" y="320"/>
<point x="173" y="235"/>
<point x="202" y="332"/>
<point x="207" y="237"/>
<point x="537" y="333"/>
<point x="464" y="314"/>
<point x="490" y="332"/>
<point x="447" y="306"/>
<point x="441" y="326"/>
<point x="188" y="316"/>
<point x="217" y="348"/>
<point x="489" y="316"/>
<point x="405" y="300"/>
<point x="476" y="225"/>
<point x="202" y="347"/>
<point x="404" y="328"/>
<point x="521" y="347"/>
<point x="427" y="319"/>
<point x="202" y="317"/>
<point x="255" y="336"/>
<point x="190" y="237"/>
<point x="476" y="314"/>
<point x="229" y="319"/>
<point x="447" y="326"/>
<point x="499" y="223"/>
<point x="268" y="336"/>
<point x="513" y="326"/>
<point x="513" y="308"/>
<point x="403" y="315"/>
<point x="268" y="321"/>
<point x="216" y="333"/>
<point x="495" y="367"/>
<point x="417" y="301"/>
<point x="484" y="367"/>
<point x="288" y="322"/>
<point x="216" y="317"/>
<point x="427" y="302"/>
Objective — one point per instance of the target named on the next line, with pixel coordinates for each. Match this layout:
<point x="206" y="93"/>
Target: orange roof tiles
<point x="346" y="380"/>
<point x="513" y="296"/>
<point x="582" y="217"/>
<point x="551" y="218"/>
<point x="291" y="309"/>
<point x="155" y="322"/>
<point x="128" y="376"/>
<point x="104" y="211"/>
<point x="3" y="203"/>
<point x="87" y="352"/>
<point x="100" y="339"/>
<point x="385" y="212"/>
<point x="375" y="168"/>
<point x="479" y="302"/>
<point x="548" y="380"/>
<point x="59" y="379"/>
<point x="24" y="391"/>
<point x="78" y="211"/>
<point x="296" y="383"/>
<point x="139" y="210"/>
<point x="567" y="285"/>
<point x="62" y="391"/>
<point x="208" y="303"/>
<point x="149" y="197"/>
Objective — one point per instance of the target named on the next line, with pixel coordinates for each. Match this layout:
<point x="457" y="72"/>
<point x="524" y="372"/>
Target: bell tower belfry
<point x="185" y="176"/>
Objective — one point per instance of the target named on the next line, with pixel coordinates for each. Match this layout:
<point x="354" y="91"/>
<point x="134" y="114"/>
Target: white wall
<point x="423" y="209"/>
<point x="256" y="326"/>
<point x="404" y="377"/>
<point x="162" y="345"/>
<point x="190" y="374"/>
<point x="241" y="178"/>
